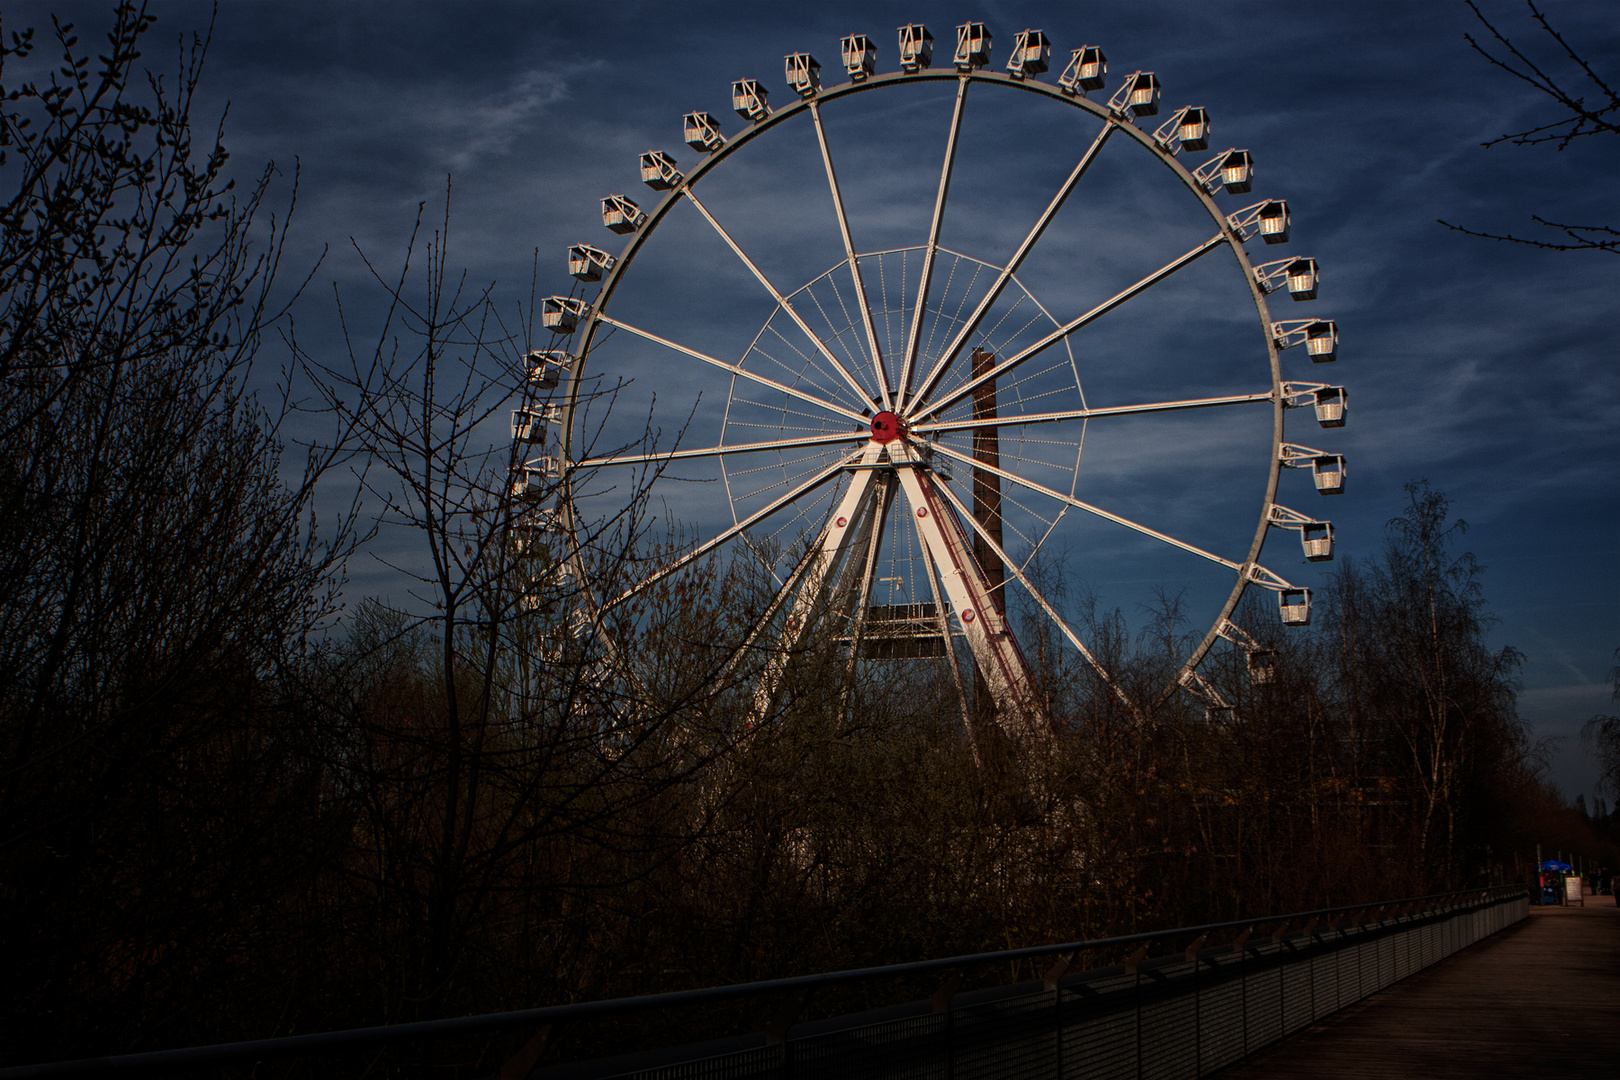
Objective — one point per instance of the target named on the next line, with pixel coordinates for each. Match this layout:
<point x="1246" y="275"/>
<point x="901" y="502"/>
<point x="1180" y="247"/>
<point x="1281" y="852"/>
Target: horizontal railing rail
<point x="322" y="1044"/>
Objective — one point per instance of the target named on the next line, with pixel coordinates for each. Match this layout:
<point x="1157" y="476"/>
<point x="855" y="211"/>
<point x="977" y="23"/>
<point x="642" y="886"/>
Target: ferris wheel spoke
<point x="861" y="392"/>
<point x="965" y="331"/>
<point x="874" y="352"/>
<point x="942" y="622"/>
<point x="721" y="451"/>
<point x="738" y="370"/>
<point x="804" y="488"/>
<point x="1007" y="420"/>
<point x="1159" y="275"/>
<point x="1078" y="504"/>
<point x="914" y="332"/>
<point x="1029" y="587"/>
<point x="969" y="591"/>
<point x="832" y="547"/>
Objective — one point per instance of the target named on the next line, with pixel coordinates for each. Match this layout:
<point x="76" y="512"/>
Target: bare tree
<point x="1587" y="107"/>
<point x="1601" y="737"/>
<point x="157" y="575"/>
<point x="509" y="750"/>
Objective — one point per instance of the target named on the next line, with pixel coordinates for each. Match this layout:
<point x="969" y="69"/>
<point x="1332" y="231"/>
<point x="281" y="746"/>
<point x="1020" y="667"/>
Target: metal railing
<point x="1182" y="1015"/>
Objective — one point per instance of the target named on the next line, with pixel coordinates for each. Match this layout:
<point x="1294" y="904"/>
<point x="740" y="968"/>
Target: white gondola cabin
<point x="587" y="263"/>
<point x="1187" y="129"/>
<point x="1031" y="54"/>
<point x="1269" y="220"/>
<point x="750" y="100"/>
<point x="1237" y="172"/>
<point x="528" y="543"/>
<point x="1328" y="471"/>
<point x="1302" y="279"/>
<point x="544" y="367"/>
<point x="529" y="425"/>
<point x="1274" y="222"/>
<point x="1262" y="665"/>
<point x="1320" y="336"/>
<point x="860" y="57"/>
<point x="536" y="522"/>
<point x="1087" y="71"/>
<point x="531" y="480"/>
<point x="548" y="582"/>
<point x="658" y="170"/>
<point x="560" y="314"/>
<point x="1139" y="96"/>
<point x="1295" y="606"/>
<point x="1316" y="538"/>
<point x="916" y="48"/>
<point x="802" y="73"/>
<point x="702" y="132"/>
<point x="1330" y="406"/>
<point x="1322" y="341"/>
<point x="1193" y="131"/>
<point x="621" y="214"/>
<point x="972" y="46"/>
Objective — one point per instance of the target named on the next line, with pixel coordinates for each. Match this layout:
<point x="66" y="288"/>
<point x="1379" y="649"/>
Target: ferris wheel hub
<point x="887" y="427"/>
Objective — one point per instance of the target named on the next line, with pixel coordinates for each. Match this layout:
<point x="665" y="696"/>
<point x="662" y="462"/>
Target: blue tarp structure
<point x="1554" y="864"/>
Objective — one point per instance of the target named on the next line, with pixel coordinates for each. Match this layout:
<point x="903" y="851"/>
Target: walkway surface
<point x="1536" y="1000"/>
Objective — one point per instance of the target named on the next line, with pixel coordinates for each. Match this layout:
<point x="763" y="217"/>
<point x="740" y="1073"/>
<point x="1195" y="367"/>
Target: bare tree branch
<point x="1579" y="241"/>
<point x="1603" y="118"/>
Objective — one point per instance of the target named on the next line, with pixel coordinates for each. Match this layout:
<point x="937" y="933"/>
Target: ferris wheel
<point x="917" y="345"/>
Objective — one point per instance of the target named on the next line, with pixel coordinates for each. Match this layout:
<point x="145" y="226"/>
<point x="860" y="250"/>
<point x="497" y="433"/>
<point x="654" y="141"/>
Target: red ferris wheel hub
<point x="887" y="427"/>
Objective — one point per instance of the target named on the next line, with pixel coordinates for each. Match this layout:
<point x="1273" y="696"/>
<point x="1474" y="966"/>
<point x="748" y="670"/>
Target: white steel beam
<point x="1030" y="240"/>
<point x="1051" y="612"/>
<point x="986" y="630"/>
<point x="1078" y="504"/>
<point x="798" y="442"/>
<point x="914" y="333"/>
<point x="739" y="371"/>
<point x="709" y="545"/>
<point x="876" y="353"/>
<point x="846" y="524"/>
<point x="935" y="408"/>
<point x="861" y="392"/>
<point x="1014" y="420"/>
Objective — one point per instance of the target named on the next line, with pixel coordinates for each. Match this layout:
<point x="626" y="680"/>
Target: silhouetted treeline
<point x="226" y="814"/>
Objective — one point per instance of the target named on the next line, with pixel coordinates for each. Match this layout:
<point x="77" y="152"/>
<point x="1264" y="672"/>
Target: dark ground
<point x="1538" y="999"/>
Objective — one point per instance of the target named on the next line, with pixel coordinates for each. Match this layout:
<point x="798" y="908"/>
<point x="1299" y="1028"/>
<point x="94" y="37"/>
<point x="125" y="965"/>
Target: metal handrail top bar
<point x="295" y="1045"/>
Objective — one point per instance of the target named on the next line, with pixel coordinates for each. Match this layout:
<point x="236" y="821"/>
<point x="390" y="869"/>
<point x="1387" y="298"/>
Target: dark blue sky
<point x="1488" y="369"/>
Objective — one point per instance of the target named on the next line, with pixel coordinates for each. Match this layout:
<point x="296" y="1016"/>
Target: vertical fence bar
<point x="1198" y="1018"/>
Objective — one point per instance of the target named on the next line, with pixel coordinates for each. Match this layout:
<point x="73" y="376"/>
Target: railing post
<point x="1198" y="1016"/>
<point x="1242" y="947"/>
<point x="1053" y="981"/>
<point x="942" y="1003"/>
<point x="1282" y="981"/>
<point x="1057" y="1031"/>
<point x="1134" y="963"/>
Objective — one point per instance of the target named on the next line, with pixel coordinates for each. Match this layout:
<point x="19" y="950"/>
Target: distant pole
<point x="986" y="504"/>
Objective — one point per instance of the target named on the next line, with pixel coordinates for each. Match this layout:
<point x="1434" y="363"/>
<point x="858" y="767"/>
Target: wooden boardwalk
<point x="1536" y="1000"/>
